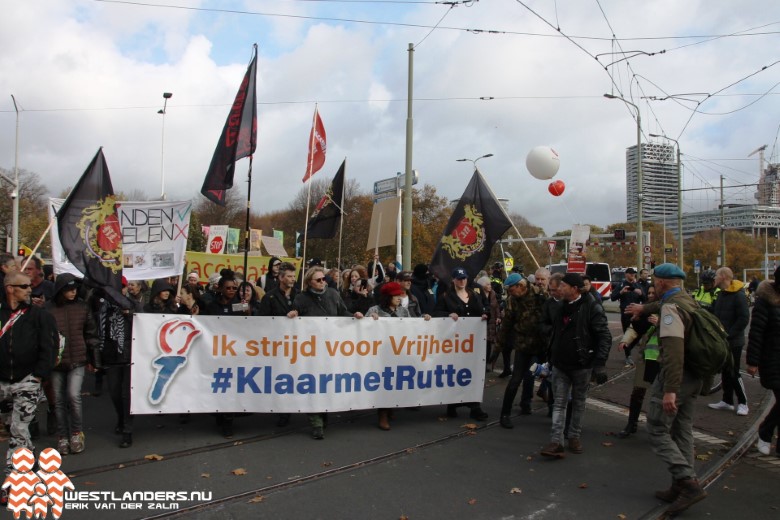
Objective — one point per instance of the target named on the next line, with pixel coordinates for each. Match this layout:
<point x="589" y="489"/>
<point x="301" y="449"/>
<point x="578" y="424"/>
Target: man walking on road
<point x="731" y="308"/>
<point x="26" y="350"/>
<point x="673" y="394"/>
<point x="629" y="291"/>
<point x="579" y="348"/>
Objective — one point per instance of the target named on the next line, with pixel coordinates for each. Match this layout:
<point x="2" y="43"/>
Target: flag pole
<point x="341" y="223"/>
<point x="40" y="241"/>
<point x="246" y="225"/>
<point x="308" y="192"/>
<point x="507" y="217"/>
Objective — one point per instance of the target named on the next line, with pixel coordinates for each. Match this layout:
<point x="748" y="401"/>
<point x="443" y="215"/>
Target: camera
<point x="14" y="194"/>
<point x="240" y="307"/>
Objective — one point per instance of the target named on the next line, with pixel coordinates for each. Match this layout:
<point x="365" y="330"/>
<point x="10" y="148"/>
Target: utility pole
<point x="407" y="202"/>
<point x="15" y="193"/>
<point x="722" y="226"/>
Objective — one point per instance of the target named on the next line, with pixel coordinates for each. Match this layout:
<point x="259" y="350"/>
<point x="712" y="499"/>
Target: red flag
<point x="316" y="147"/>
<point x="238" y="139"/>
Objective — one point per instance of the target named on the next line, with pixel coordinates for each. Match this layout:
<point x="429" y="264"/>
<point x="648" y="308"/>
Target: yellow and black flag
<point x="477" y="223"/>
<point x="89" y="229"/>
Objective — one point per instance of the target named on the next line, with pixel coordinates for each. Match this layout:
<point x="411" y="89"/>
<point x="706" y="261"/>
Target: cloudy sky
<point x="490" y="76"/>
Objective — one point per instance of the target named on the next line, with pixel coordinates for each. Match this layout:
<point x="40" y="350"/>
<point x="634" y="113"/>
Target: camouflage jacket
<point x="521" y="325"/>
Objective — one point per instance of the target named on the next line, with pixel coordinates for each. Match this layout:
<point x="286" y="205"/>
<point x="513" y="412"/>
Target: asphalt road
<point x="426" y="467"/>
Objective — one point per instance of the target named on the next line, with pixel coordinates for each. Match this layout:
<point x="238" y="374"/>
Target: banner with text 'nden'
<point x="262" y="364"/>
<point x="154" y="238"/>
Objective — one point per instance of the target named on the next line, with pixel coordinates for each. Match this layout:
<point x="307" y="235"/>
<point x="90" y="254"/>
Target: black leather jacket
<point x="592" y="337"/>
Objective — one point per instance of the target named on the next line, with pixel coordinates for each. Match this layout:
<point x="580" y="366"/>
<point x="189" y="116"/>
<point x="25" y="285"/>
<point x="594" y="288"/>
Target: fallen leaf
<point x="153" y="456"/>
<point x="730" y="433"/>
<point x="583" y="486"/>
<point x="403" y="517"/>
<point x="326" y="464"/>
<point x="442" y="419"/>
<point x="515" y="491"/>
<point x="470" y="426"/>
<point x="471" y="432"/>
<point x="256" y="500"/>
<point x="702" y="457"/>
<point x="88" y="483"/>
<point x="205" y="475"/>
<point x="120" y="466"/>
<point x="410" y="450"/>
<point x="607" y="444"/>
<point x="472" y="501"/>
<point x="239" y="471"/>
<point x="268" y="478"/>
<point x="622" y="516"/>
<point x="529" y="458"/>
<point x="728" y="488"/>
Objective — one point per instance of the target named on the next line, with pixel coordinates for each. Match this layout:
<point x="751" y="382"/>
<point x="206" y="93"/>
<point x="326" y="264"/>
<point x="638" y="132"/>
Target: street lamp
<point x="166" y="97"/>
<point x="639" y="181"/>
<point x="680" y="261"/>
<point x="474" y="161"/>
<point x="15" y="193"/>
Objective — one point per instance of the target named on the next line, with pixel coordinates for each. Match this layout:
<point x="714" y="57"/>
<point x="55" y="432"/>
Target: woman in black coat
<point x="763" y="354"/>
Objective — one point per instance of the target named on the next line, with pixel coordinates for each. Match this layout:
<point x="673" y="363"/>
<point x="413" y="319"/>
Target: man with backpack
<point x="673" y="394"/>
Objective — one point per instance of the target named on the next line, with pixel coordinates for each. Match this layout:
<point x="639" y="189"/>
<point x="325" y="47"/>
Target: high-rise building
<point x="768" y="191"/>
<point x="659" y="179"/>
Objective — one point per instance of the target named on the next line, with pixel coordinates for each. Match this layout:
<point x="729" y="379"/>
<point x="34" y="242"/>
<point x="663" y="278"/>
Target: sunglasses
<point x="318" y="279"/>
<point x="21" y="285"/>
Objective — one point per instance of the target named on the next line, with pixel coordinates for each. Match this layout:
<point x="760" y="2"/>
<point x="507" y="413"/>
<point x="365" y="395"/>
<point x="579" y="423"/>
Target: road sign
<point x="509" y="263"/>
<point x="551" y="246"/>
<point x="697" y="266"/>
<point x="646" y="250"/>
<point x="393" y="184"/>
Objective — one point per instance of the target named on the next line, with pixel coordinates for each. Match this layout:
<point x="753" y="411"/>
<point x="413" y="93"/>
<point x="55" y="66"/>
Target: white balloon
<point x="542" y="162"/>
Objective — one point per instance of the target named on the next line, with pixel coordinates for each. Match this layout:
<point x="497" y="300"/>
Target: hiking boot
<point x="478" y="413"/>
<point x="690" y="493"/>
<point x="575" y="446"/>
<point x="63" y="446"/>
<point x="127" y="440"/>
<point x="384" y="420"/>
<point x="506" y="422"/>
<point x="318" y="433"/>
<point x="722" y="405"/>
<point x="77" y="442"/>
<point x="554" y="450"/>
<point x="628" y="430"/>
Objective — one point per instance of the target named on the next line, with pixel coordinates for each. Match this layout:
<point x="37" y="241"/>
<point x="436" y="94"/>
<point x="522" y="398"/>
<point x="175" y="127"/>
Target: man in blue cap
<point x="673" y="394"/>
<point x="520" y="331"/>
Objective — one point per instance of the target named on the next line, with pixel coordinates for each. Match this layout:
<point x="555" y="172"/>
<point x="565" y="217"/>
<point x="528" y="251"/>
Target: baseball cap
<point x="631" y="270"/>
<point x="459" y="274"/>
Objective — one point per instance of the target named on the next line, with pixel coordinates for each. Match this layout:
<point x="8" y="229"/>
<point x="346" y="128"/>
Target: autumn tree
<point x="33" y="210"/>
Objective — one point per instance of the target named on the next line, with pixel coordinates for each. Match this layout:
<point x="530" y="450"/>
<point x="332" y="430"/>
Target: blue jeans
<point x="565" y="381"/>
<point x="67" y="393"/>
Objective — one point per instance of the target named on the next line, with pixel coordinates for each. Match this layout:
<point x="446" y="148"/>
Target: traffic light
<point x="20" y="252"/>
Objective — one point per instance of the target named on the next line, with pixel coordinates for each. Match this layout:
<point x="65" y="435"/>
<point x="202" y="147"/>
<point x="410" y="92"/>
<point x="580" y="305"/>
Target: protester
<point x="193" y="281"/>
<point x="7" y="265"/>
<point x="421" y="289"/>
<point x="493" y="310"/>
<point x="733" y="311"/>
<point x="42" y="289"/>
<point x="579" y="348"/>
<point x="520" y="331"/>
<point x="279" y="302"/>
<point x="317" y="299"/>
<point x="389" y="306"/>
<point x="78" y="327"/>
<point x="673" y="393"/>
<point x="189" y="301"/>
<point x="269" y="280"/>
<point x="26" y="353"/>
<point x="763" y="354"/>
<point x="138" y="292"/>
<point x="643" y="332"/>
<point x="248" y="298"/>
<point x="461" y="301"/>
<point x="161" y="298"/>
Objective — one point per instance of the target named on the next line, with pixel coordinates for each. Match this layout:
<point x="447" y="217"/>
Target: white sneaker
<point x="742" y="409"/>
<point x="763" y="446"/>
<point x="722" y="406"/>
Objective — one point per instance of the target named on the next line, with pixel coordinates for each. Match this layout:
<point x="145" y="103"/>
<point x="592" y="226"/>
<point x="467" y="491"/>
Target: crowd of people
<point x="54" y="331"/>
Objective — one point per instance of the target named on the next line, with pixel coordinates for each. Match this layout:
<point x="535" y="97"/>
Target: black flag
<point x="238" y="139"/>
<point x="476" y="224"/>
<point x="89" y="229"/>
<point x="324" y="223"/>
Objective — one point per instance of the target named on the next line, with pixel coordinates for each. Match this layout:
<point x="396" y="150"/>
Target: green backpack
<point x="707" y="350"/>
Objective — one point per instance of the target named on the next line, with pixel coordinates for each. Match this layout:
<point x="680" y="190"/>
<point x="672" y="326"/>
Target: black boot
<point x="634" y="409"/>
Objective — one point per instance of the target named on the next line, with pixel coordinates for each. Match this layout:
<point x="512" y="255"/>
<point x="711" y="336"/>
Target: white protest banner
<point x="262" y="364"/>
<point x="154" y="238"/>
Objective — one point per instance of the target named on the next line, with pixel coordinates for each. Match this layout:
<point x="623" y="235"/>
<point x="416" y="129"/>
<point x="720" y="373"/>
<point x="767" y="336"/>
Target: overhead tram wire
<point x="402" y="24"/>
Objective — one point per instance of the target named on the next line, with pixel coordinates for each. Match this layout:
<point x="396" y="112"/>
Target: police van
<point x="598" y="272"/>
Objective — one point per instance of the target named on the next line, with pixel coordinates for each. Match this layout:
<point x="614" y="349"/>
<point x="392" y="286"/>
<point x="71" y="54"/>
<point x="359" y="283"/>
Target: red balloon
<point x="556" y="188"/>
